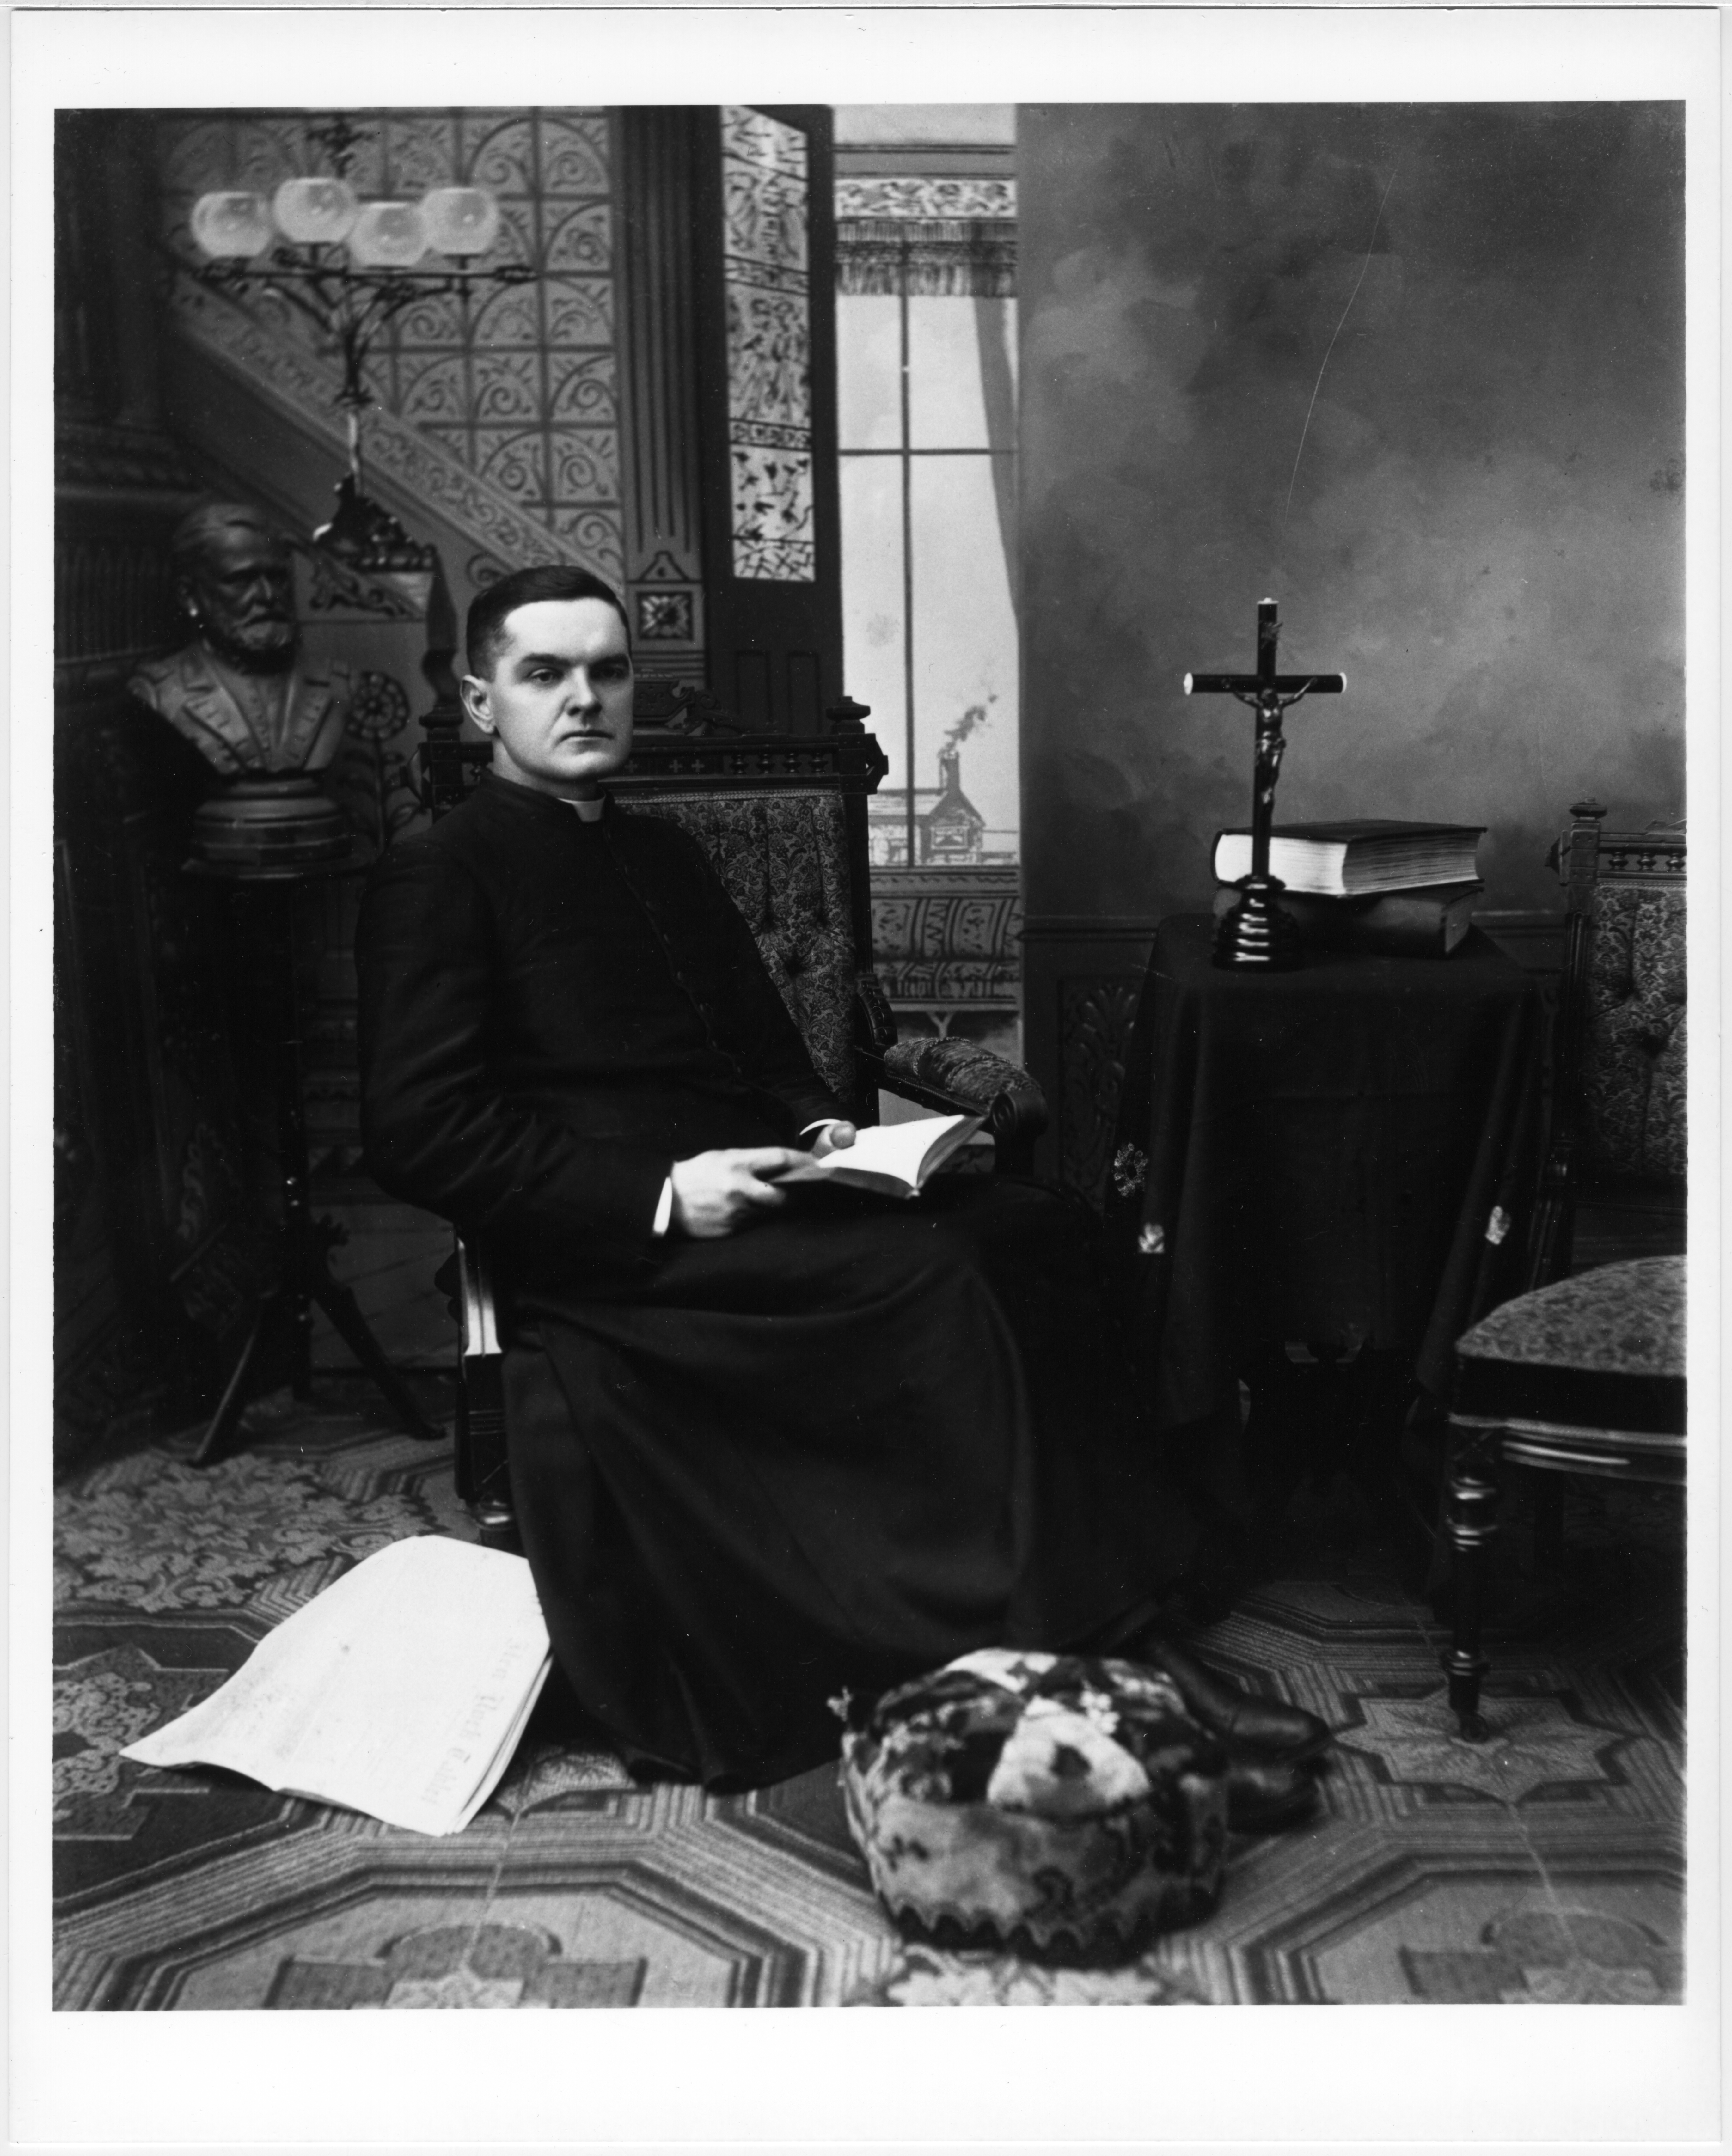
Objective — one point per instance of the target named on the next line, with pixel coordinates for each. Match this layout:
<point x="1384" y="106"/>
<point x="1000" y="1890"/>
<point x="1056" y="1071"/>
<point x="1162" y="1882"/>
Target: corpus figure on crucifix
<point x="1257" y="933"/>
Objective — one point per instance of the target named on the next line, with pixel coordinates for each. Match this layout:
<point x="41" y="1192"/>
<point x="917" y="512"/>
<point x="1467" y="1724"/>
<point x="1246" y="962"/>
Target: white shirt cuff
<point x="664" y="1209"/>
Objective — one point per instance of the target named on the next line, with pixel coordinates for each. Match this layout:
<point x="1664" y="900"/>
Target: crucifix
<point x="1255" y="933"/>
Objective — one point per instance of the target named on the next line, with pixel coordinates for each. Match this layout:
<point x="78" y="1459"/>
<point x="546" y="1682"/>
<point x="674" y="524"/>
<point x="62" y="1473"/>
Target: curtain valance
<point x="928" y="257"/>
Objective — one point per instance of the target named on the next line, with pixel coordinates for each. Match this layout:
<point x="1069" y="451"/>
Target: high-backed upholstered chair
<point x="1614" y="1180"/>
<point x="783" y="819"/>
<point x="1584" y="1374"/>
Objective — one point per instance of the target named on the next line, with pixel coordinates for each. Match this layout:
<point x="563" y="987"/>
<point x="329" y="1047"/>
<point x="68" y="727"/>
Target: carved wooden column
<point x="656" y="344"/>
<point x="764" y="224"/>
<point x="726" y="335"/>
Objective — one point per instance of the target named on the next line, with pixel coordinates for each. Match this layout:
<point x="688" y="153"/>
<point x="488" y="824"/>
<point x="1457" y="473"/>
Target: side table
<point x="1339" y="1155"/>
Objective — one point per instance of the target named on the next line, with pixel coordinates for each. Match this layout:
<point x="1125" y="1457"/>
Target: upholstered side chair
<point x="1584" y="1373"/>
<point x="782" y="820"/>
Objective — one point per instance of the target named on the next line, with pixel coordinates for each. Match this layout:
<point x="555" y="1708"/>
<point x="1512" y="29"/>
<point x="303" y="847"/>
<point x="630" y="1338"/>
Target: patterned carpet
<point x="1545" y="1866"/>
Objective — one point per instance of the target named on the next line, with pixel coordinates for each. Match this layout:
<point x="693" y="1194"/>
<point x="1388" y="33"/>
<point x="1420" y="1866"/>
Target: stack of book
<point x="1406" y="889"/>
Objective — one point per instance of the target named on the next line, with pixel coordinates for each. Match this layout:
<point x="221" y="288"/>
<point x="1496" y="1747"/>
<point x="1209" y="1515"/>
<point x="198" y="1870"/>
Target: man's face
<point x="557" y="702"/>
<point x="242" y="593"/>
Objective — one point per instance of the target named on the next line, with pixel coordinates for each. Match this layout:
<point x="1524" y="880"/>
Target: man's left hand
<point x="829" y="1141"/>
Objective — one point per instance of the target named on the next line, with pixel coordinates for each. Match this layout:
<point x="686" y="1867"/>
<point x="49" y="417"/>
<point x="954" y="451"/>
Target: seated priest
<point x="765" y="1444"/>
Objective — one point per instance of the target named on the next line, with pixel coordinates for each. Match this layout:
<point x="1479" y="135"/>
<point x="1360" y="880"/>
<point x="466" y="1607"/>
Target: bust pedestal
<point x="304" y="1276"/>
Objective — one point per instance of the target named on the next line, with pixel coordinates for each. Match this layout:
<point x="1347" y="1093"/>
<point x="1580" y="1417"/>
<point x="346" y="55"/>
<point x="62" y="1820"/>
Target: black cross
<point x="1257" y="933"/>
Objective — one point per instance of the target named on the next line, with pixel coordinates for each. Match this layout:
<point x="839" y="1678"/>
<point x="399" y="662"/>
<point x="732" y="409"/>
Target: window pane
<point x="868" y="371"/>
<point x="965" y="639"/>
<point x="872" y="600"/>
<point x="962" y="380"/>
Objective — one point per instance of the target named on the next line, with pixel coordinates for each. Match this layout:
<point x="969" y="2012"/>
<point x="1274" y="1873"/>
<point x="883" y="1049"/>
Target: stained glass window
<point x="770" y="391"/>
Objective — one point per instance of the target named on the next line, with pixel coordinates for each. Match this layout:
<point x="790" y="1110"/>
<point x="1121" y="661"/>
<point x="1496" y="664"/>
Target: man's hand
<point x="715" y="1193"/>
<point x="829" y="1141"/>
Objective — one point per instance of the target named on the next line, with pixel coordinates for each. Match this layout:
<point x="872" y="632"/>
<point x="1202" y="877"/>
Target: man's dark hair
<point x="484" y="636"/>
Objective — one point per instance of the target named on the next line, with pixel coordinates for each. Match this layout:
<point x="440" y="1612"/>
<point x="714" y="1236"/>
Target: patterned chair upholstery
<point x="782" y="820"/>
<point x="1633" y="1048"/>
<point x="1613" y="1186"/>
<point x="783" y="857"/>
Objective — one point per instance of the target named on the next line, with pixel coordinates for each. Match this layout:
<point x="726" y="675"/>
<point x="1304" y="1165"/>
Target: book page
<point x="896" y="1150"/>
<point x="393" y="1692"/>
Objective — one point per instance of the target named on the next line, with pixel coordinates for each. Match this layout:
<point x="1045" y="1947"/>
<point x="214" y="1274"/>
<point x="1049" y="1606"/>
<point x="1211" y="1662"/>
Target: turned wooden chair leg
<point x="1472" y="1520"/>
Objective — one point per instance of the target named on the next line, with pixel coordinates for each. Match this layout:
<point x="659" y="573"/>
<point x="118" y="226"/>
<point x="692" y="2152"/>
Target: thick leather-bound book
<point x="1426" y="922"/>
<point x="1343" y="859"/>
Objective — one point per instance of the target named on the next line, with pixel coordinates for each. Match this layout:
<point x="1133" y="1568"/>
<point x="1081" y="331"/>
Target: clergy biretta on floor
<point x="751" y="647"/>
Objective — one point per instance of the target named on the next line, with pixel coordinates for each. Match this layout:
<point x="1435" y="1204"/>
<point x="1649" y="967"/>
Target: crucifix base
<point x="1257" y="935"/>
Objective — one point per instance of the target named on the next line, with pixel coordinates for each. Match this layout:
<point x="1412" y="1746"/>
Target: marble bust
<point x="239" y="689"/>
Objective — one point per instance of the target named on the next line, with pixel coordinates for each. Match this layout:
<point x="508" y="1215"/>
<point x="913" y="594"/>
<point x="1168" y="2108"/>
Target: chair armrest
<point x="958" y="1077"/>
<point x="477" y="1314"/>
<point x="482" y="1461"/>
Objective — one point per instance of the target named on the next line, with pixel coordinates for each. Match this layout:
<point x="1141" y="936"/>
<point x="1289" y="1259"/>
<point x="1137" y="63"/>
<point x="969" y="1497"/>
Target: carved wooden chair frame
<point x="1482" y="1445"/>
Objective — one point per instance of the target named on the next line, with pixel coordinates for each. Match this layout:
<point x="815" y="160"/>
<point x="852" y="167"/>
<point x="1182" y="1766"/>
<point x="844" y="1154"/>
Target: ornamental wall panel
<point x="770" y="362"/>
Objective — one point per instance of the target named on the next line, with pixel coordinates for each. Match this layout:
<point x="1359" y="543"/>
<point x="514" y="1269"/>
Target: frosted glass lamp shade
<point x="315" y="213"/>
<point x="232" y="224"/>
<point x="388" y="235"/>
<point x="461" y="220"/>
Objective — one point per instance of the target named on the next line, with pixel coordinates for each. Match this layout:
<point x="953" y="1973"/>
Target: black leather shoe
<point x="1263" y="1728"/>
<point x="1263" y="1794"/>
<point x="498" y="1523"/>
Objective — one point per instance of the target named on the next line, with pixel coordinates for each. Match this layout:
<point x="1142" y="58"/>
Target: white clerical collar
<point x="589" y="812"/>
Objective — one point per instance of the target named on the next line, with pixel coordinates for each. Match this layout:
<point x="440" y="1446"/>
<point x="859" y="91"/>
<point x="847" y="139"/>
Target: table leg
<point x="1472" y="1520"/>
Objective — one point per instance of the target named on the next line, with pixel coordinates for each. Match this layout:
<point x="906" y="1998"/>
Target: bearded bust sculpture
<point x="239" y="689"/>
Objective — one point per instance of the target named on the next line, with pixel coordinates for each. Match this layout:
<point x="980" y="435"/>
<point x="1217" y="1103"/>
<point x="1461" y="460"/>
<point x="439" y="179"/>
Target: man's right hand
<point x="715" y="1193"/>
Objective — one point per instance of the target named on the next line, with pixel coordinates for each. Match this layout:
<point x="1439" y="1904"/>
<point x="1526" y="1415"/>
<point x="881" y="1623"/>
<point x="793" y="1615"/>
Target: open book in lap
<point x="401" y="1691"/>
<point x="894" y="1159"/>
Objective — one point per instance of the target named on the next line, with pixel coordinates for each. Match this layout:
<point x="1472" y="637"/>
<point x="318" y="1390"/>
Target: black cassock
<point x="833" y="1449"/>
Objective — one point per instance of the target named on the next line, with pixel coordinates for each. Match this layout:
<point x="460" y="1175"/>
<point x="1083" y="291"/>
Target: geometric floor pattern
<point x="1543" y="1866"/>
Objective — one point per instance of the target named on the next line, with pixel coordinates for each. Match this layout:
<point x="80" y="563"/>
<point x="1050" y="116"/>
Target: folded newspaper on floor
<point x="400" y="1691"/>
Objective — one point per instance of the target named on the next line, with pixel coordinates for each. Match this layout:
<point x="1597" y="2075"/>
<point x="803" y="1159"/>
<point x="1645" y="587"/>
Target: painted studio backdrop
<point x="930" y="449"/>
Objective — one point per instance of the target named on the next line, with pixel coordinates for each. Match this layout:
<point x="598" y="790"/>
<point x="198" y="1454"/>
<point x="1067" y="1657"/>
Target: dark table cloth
<point x="1336" y="1155"/>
